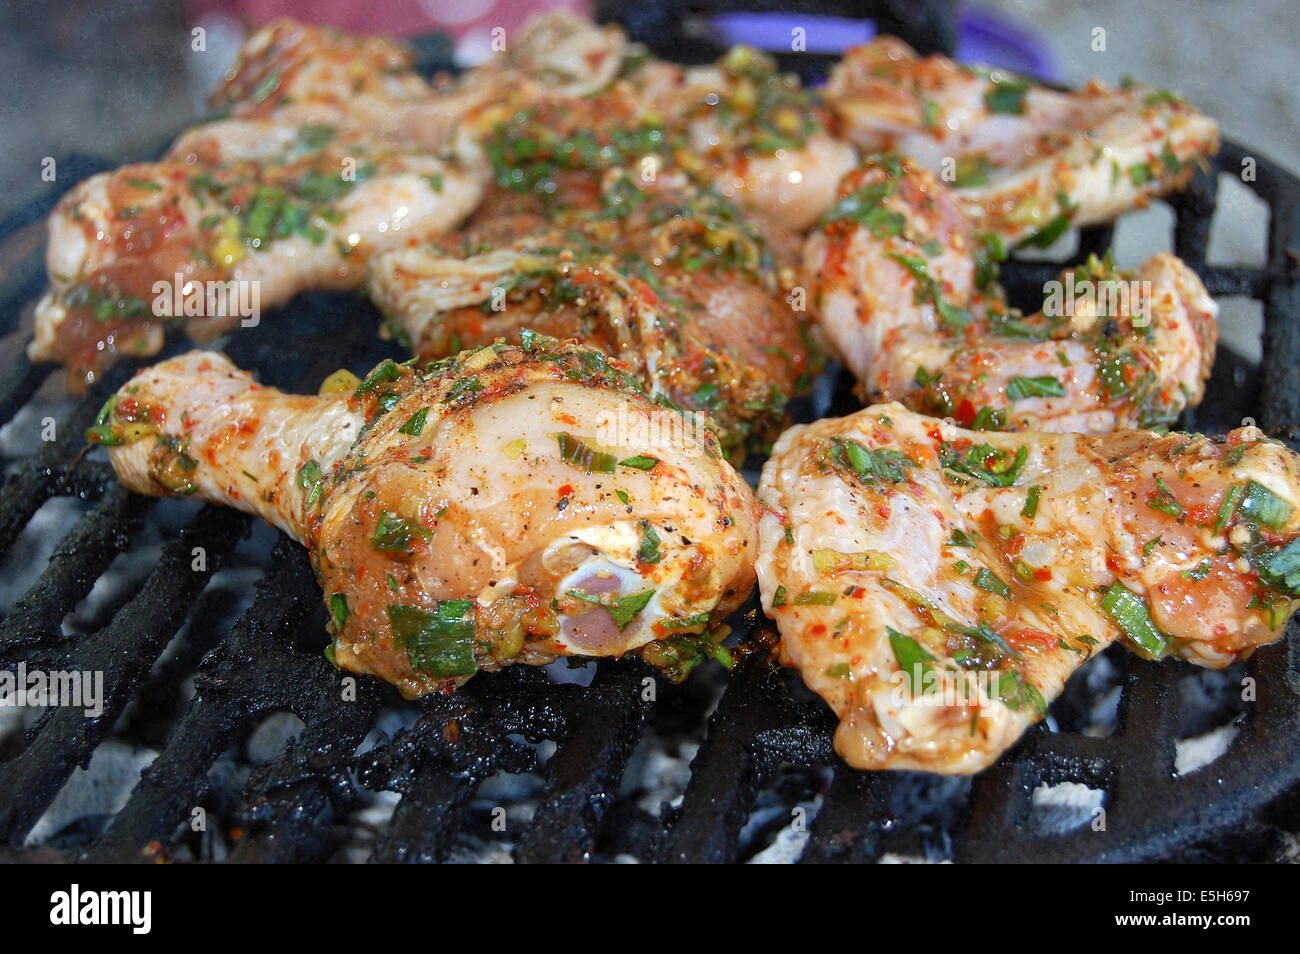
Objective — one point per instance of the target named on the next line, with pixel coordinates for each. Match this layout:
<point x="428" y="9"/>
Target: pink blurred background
<point x="469" y="22"/>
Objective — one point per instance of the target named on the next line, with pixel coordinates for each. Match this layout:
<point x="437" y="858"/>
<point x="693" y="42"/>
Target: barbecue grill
<point x="538" y="765"/>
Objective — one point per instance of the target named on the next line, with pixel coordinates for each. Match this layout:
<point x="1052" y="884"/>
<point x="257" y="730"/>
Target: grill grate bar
<point x="22" y="380"/>
<point x="76" y="563"/>
<point x="587" y="767"/>
<point x="123" y="651"/>
<point x="729" y="767"/>
<point x="40" y="476"/>
<point x="176" y="781"/>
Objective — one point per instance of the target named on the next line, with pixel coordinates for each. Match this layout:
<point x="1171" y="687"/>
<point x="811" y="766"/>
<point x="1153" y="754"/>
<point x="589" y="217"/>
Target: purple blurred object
<point x="771" y="31"/>
<point x="983" y="36"/>
<point x="987" y="37"/>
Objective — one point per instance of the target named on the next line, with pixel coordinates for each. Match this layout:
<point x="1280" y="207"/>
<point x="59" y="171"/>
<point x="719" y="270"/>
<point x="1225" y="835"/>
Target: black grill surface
<point x="763" y="767"/>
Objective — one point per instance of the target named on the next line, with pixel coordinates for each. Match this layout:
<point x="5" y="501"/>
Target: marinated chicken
<point x="311" y="164"/>
<point x="739" y="125"/>
<point x="506" y="505"/>
<point x="937" y="586"/>
<point x="213" y="235"/>
<point x="669" y="278"/>
<point x="1028" y="162"/>
<point x="905" y="289"/>
<point x="317" y="74"/>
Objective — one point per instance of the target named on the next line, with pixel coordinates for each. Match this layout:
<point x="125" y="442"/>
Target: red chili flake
<point x="966" y="412"/>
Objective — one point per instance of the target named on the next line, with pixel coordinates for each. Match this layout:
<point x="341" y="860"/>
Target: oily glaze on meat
<point x="672" y="280"/>
<point x="299" y="208"/>
<point x="1027" y="161"/>
<point x="505" y="505"/>
<point x="905" y="289"/>
<point x="898" y="552"/>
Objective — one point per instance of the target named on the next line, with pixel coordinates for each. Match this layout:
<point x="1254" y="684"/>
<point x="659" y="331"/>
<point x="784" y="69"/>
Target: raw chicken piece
<point x="1027" y="161"/>
<point x="322" y="75"/>
<point x="752" y="133"/>
<point x="288" y="210"/>
<point x="506" y="505"/>
<point x="908" y="563"/>
<point x="904" y="288"/>
<point x="672" y="280"/>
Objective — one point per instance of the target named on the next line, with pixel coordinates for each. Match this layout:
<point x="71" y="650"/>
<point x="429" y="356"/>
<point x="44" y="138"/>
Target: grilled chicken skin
<point x="670" y="279"/>
<point x="904" y="288"/>
<point x="906" y="561"/>
<point x="506" y="505"/>
<point x="277" y="211"/>
<point x="1027" y="161"/>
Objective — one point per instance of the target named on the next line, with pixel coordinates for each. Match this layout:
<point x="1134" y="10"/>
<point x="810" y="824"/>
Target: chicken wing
<point x="936" y="586"/>
<point x="504" y="505"/>
<point x="1027" y="161"/>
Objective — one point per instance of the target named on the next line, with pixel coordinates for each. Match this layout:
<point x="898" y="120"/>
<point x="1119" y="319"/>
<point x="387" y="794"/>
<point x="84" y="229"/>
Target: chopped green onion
<point x="387" y="370"/>
<point x="575" y="452"/>
<point x="339" y="608"/>
<point x="1019" y="388"/>
<point x="1007" y="96"/>
<point x="311" y="480"/>
<point x="393" y="533"/>
<point x="1227" y="508"/>
<point x="869" y="465"/>
<point x="1131" y="615"/>
<point x="1030" y="508"/>
<point x="815" y="598"/>
<point x="1284" y="567"/>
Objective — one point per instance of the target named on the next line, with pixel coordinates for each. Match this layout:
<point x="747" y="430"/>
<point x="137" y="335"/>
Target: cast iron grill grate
<point x="764" y="769"/>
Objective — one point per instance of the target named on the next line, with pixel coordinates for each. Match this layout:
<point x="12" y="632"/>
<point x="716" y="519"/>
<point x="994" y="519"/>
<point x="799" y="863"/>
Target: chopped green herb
<point x="1030" y="508"/>
<point x="622" y="609"/>
<point x="1262" y="506"/>
<point x="816" y="598"/>
<point x="574" y="451"/>
<point x="1007" y="96"/>
<point x="648" y="552"/>
<point x="910" y="655"/>
<point x="640" y="462"/>
<point x="438" y="641"/>
<point x="869" y="465"/>
<point x="1019" y="388"/>
<point x="393" y="533"/>
<point x="311" y="480"/>
<point x="415" y="423"/>
<point x="1131" y="615"/>
<point x="990" y="582"/>
<point x="1227" y="508"/>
